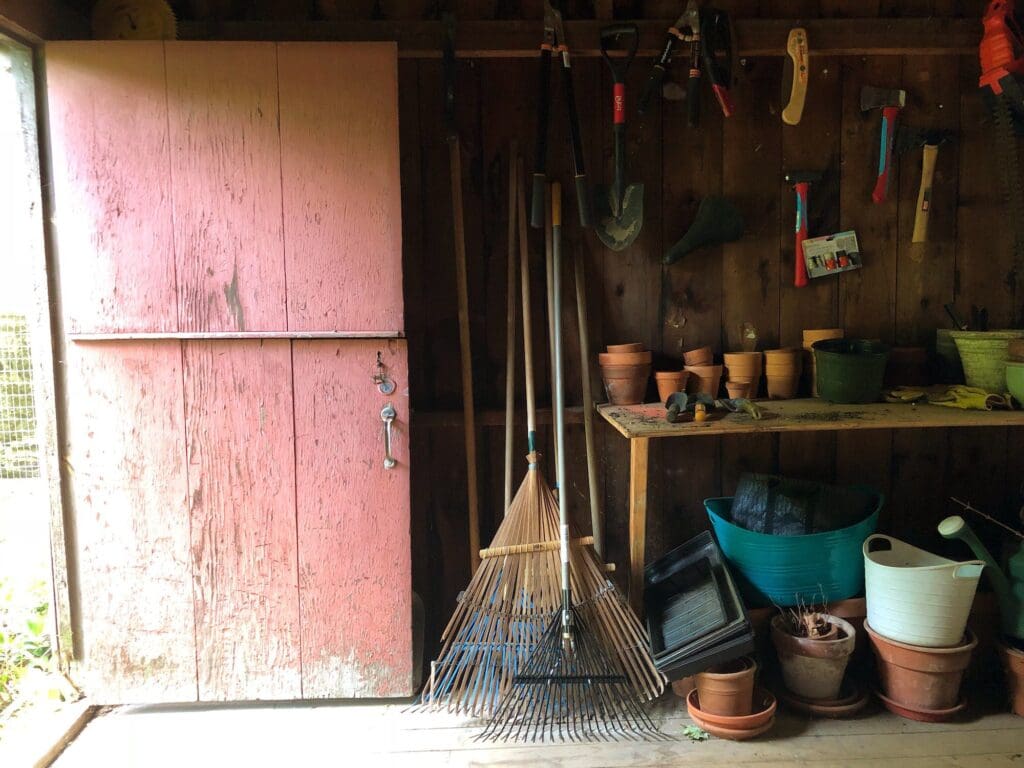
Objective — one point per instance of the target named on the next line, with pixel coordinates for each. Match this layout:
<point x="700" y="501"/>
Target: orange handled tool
<point x="801" y="181"/>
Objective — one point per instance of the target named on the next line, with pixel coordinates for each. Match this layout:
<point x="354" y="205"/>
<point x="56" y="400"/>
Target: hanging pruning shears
<point x="686" y="30"/>
<point x="555" y="42"/>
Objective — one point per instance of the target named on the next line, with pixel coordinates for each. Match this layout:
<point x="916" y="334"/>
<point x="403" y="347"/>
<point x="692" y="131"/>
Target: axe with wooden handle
<point x="908" y="139"/>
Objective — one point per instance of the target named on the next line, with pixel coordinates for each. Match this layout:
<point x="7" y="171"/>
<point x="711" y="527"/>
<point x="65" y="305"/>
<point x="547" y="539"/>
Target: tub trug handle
<point x="970" y="569"/>
<point x="877" y="538"/>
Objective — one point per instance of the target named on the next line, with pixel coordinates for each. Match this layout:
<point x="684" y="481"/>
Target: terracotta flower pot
<point x="670" y="382"/>
<point x="814" y="668"/>
<point x="624" y="358"/>
<point x="791" y="368"/>
<point x="727" y="689"/>
<point x="699" y="356"/>
<point x="762" y="710"/>
<point x="783" y="387"/>
<point x="1015" y="350"/>
<point x="918" y="677"/>
<point x="743" y="363"/>
<point x="704" y="378"/>
<point x="782" y="355"/>
<point x="818" y="334"/>
<point x="625" y="385"/>
<point x="683" y="686"/>
<point x="737" y="389"/>
<point x="620" y="348"/>
<point x="1013" y="664"/>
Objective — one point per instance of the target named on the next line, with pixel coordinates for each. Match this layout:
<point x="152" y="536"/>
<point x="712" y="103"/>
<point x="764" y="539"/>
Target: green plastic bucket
<point x="983" y="354"/>
<point x="850" y="370"/>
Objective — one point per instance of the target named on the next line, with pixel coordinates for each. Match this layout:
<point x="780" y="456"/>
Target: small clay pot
<point x="727" y="689"/>
<point x="762" y="710"/>
<point x="814" y="668"/>
<point x="783" y="387"/>
<point x="670" y="382"/>
<point x="919" y="677"/>
<point x="1013" y="665"/>
<point x="737" y="389"/>
<point x="625" y="385"/>
<point x="1015" y="350"/>
<point x="620" y="348"/>
<point x="699" y="356"/>
<point x="624" y="358"/>
<point x="704" y="378"/>
<point x="743" y="363"/>
<point x="782" y="355"/>
<point x="791" y="368"/>
<point x="819" y="334"/>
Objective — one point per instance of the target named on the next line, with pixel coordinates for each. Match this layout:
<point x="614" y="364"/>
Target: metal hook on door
<point x="384" y="383"/>
<point x="387" y="415"/>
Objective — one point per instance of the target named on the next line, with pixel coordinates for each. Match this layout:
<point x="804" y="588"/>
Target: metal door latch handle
<point x="387" y="415"/>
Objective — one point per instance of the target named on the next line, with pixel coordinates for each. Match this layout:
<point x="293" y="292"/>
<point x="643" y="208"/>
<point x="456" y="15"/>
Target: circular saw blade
<point x="133" y="20"/>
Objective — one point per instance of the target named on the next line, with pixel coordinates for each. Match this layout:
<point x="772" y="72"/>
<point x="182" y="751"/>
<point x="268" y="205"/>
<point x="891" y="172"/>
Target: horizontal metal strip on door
<point x="236" y="335"/>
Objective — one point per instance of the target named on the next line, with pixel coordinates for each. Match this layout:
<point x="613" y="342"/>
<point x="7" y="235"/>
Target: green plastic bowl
<point x="1015" y="380"/>
<point x="983" y="354"/>
<point x="850" y="370"/>
<point x="793" y="570"/>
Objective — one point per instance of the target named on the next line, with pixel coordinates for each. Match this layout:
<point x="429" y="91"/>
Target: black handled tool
<point x="609" y="37"/>
<point x="555" y="42"/>
<point x="716" y="44"/>
<point x="686" y="30"/>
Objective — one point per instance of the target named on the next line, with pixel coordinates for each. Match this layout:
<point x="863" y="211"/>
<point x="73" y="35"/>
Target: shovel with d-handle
<point x="620" y="209"/>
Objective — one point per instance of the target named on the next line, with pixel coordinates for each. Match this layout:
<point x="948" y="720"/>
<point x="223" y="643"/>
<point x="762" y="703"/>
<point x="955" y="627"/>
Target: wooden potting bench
<point x="642" y="423"/>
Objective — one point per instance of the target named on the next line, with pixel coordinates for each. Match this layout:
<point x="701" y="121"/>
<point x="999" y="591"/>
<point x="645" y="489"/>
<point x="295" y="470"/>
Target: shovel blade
<point x="619" y="232"/>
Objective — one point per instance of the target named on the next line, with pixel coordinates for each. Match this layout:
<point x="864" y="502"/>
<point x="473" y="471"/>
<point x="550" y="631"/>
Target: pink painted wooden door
<point x="236" y="204"/>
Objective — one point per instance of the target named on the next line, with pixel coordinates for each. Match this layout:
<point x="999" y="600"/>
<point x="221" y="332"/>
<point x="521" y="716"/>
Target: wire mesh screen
<point x="19" y="447"/>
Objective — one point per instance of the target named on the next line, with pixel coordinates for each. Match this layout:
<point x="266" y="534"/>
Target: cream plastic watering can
<point x="916" y="597"/>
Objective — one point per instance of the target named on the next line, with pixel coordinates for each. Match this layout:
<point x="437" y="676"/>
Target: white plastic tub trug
<point x="916" y="597"/>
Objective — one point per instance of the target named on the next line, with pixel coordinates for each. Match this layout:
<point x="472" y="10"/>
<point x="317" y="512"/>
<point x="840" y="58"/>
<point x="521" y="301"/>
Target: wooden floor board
<point x="389" y="734"/>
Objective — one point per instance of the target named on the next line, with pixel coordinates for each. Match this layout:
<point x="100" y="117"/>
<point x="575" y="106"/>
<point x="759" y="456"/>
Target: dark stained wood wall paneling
<point x="898" y="297"/>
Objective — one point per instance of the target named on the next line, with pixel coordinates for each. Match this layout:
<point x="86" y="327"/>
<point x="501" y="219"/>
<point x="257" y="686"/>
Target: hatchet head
<point x="908" y="138"/>
<point x="876" y="98"/>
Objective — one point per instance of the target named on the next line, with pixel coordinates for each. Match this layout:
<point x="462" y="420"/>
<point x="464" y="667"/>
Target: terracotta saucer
<point x="732" y="733"/>
<point x="764" y="704"/>
<point x="851" y="700"/>
<point x="923" y="715"/>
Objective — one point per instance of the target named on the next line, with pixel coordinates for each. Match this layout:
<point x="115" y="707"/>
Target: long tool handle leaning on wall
<point x="549" y="277"/>
<point x="510" y="330"/>
<point x="469" y="418"/>
<point x="524" y="282"/>
<point x="555" y="288"/>
<point x="596" y="517"/>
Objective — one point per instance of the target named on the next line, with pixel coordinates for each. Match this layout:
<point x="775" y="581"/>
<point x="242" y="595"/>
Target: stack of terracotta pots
<point x="625" y="369"/>
<point x="811" y="336"/>
<point x="743" y="373"/>
<point x="705" y="376"/>
<point x="782" y="370"/>
<point x="726" y="704"/>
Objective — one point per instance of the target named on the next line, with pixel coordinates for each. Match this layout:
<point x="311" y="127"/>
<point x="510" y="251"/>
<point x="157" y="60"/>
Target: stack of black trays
<point x="695" y="617"/>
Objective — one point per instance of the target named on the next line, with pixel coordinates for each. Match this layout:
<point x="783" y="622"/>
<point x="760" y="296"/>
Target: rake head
<point x="570" y="689"/>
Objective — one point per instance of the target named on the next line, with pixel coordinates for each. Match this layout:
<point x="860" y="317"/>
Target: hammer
<point x="801" y="180"/>
<point x="907" y="139"/>
<point x="891" y="101"/>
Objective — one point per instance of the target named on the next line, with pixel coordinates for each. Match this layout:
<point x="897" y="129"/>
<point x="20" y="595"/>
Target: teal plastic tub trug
<point x="790" y="570"/>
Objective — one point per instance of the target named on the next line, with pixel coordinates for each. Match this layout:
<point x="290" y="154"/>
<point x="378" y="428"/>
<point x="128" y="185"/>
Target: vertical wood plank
<point x="353" y="521"/>
<point x="638" y="469"/>
<point x="125" y="431"/>
<point x="924" y="283"/>
<point x="341" y="189"/>
<point x="241" y="473"/>
<point x="980" y="279"/>
<point x="226" y="176"/>
<point x="112" y="190"/>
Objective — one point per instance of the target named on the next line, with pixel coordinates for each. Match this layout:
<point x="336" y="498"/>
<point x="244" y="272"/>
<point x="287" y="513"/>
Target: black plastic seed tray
<point x="693" y="606"/>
